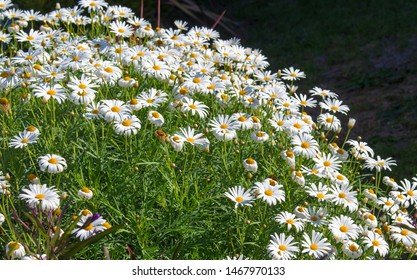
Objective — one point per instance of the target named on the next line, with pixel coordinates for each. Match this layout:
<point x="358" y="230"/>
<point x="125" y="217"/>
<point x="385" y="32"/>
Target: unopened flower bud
<point x="351" y="123"/>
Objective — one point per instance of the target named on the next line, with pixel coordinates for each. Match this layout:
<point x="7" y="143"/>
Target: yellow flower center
<point x="375" y="243"/>
<point x="191" y="140"/>
<point x="82" y="93"/>
<point x="76" y="58"/>
<point x="196" y="80"/>
<point x="297" y="125"/>
<point x="133" y="102"/>
<point x="30" y="38"/>
<point x="388" y="203"/>
<point x="51" y="92"/>
<point x="404" y="232"/>
<point x="268" y="192"/>
<point x="239" y="199"/>
<point x="192" y="106"/>
<point x="82" y="86"/>
<point x="282" y="247"/>
<point x="183" y="91"/>
<point x="53" y="161"/>
<point x="320" y="195"/>
<point x="156" y="67"/>
<point x="342" y="195"/>
<point x="353" y="247"/>
<point x="250" y="161"/>
<point x="121" y="30"/>
<point x="40" y="196"/>
<point x="305" y="145"/>
<point x="126" y="123"/>
<point x="85" y="212"/>
<point x="108" y="69"/>
<point x="327" y="163"/>
<point x="314" y="247"/>
<point x="85" y="190"/>
<point x="115" y="109"/>
<point x="343" y="229"/>
<point x="106" y="225"/>
<point x="334" y="108"/>
<point x="156" y="115"/>
<point x="25" y="140"/>
<point x="224" y="126"/>
<point x="30" y="128"/>
<point x="89" y="227"/>
<point x="13" y="246"/>
<point x="260" y="134"/>
<point x="290" y="221"/>
<point x="340" y="177"/>
<point x="410" y="192"/>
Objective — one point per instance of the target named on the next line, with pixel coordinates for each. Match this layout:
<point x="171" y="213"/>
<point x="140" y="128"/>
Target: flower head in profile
<point x="352" y="249"/>
<point x="37" y="194"/>
<point x="240" y="196"/>
<point x="52" y="163"/>
<point x="379" y="164"/>
<point x="85" y="193"/>
<point x="15" y="249"/>
<point x="250" y="165"/>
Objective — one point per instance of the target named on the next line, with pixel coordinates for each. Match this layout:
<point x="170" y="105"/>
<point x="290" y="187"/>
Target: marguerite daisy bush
<point x="194" y="144"/>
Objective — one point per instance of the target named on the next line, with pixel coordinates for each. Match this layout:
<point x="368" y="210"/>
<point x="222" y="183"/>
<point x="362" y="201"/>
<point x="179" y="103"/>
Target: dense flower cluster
<point x="199" y="91"/>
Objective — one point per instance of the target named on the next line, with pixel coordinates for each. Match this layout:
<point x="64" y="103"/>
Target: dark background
<point x="365" y="51"/>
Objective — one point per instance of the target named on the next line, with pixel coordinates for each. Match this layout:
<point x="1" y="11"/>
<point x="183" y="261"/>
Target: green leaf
<point x="37" y="223"/>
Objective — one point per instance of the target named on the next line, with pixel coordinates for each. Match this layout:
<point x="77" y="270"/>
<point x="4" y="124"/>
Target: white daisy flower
<point x="156" y="118"/>
<point x="316" y="246"/>
<point x="120" y="28"/>
<point x="40" y="194"/>
<point x="128" y="125"/>
<point x="290" y="220"/>
<point x="23" y="139"/>
<point x="271" y="194"/>
<point x="240" y="196"/>
<point x="85" y="193"/>
<point x="352" y="249"/>
<point x="281" y="247"/>
<point x="15" y="250"/>
<point x="52" y="163"/>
